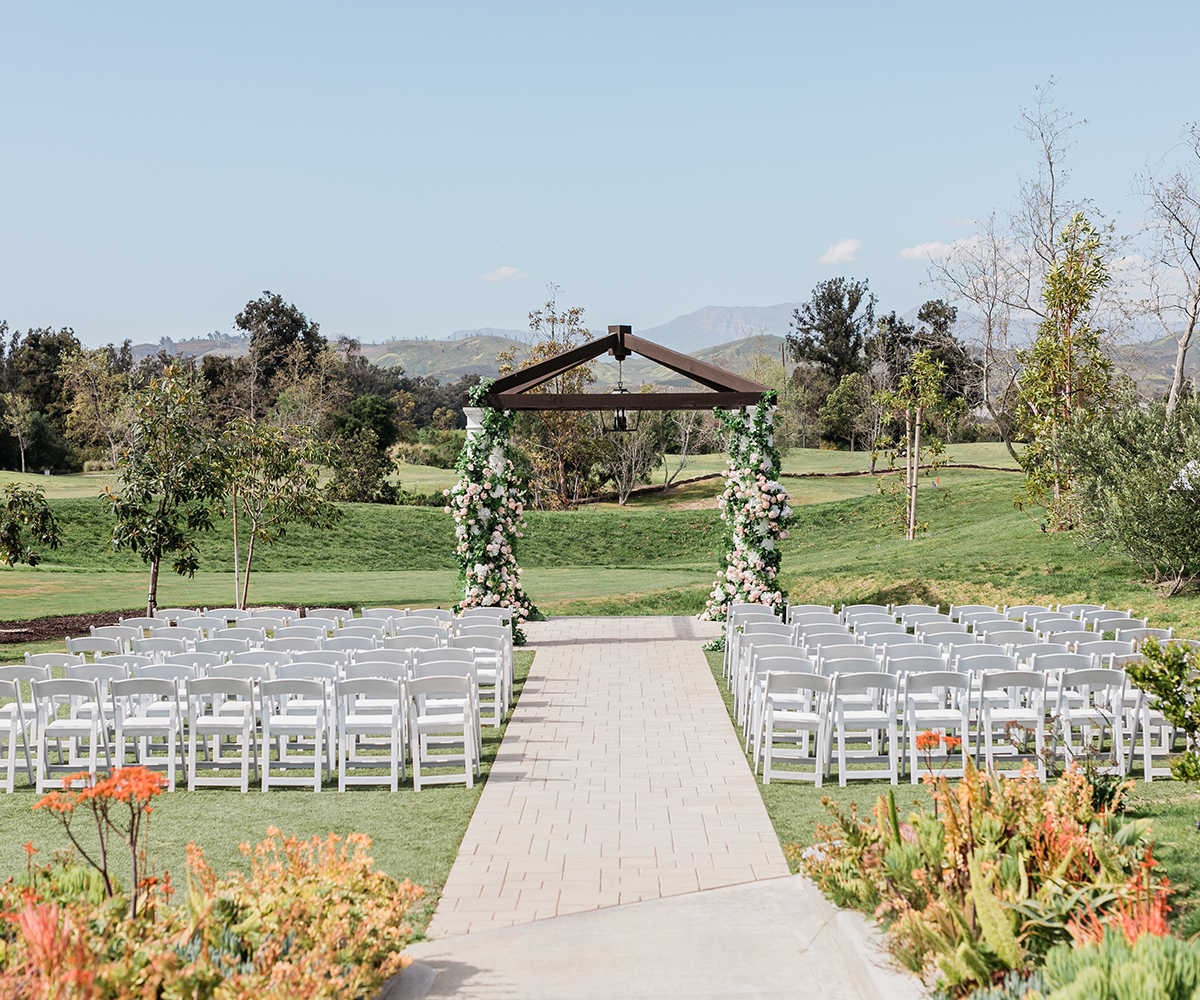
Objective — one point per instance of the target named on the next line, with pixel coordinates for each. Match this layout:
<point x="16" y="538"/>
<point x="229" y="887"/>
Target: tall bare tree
<point x="1173" y="213"/>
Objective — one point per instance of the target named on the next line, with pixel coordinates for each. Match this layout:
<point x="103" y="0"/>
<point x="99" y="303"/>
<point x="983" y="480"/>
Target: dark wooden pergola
<point x="512" y="392"/>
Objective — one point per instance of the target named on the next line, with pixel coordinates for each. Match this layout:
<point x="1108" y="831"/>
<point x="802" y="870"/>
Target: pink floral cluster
<point x="488" y="517"/>
<point x="757" y="511"/>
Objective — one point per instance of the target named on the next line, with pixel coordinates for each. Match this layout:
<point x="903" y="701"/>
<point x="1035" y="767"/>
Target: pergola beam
<point x="623" y="400"/>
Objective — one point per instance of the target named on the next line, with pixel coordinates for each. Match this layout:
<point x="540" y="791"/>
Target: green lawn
<point x="413" y="835"/>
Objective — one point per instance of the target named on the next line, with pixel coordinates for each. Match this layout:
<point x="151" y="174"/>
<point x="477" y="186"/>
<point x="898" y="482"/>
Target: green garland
<point x="489" y="516"/>
<point x="754" y="506"/>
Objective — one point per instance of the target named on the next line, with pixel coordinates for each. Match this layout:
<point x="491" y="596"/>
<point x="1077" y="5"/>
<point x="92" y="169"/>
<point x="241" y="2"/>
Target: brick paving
<point x="619" y="780"/>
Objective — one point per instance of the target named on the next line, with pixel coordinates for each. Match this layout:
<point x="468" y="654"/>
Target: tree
<point x="808" y="388"/>
<point x="562" y="444"/>
<point x="1173" y="211"/>
<point x="25" y="510"/>
<point x="1065" y="372"/>
<point x="1136" y="483"/>
<point x="831" y="329"/>
<point x="169" y="482"/>
<point x="369" y="412"/>
<point x="276" y="327"/>
<point x="846" y="414"/>
<point x="918" y="394"/>
<point x="98" y="393"/>
<point x="20" y="418"/>
<point x="361" y="469"/>
<point x="272" y="479"/>
<point x="34" y="363"/>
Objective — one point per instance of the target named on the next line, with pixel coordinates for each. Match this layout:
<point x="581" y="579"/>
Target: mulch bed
<point x="61" y="626"/>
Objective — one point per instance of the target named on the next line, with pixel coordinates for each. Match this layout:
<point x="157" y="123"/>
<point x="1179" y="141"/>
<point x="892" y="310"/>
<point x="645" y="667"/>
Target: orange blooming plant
<point x="119" y="805"/>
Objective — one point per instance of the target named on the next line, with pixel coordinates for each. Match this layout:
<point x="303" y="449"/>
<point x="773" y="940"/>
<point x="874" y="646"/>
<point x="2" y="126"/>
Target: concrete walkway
<point x="619" y="780"/>
<point x="621" y="849"/>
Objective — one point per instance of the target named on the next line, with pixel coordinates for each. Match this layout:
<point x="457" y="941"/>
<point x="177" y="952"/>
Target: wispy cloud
<point x="505" y="273"/>
<point x="842" y="252"/>
<point x="925" y="251"/>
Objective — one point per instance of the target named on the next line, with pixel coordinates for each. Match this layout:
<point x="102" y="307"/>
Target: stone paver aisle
<point x="619" y="779"/>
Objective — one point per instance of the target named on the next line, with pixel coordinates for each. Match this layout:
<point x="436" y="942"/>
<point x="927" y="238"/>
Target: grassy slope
<point x="413" y="836"/>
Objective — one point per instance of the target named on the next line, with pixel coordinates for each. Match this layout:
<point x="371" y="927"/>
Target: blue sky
<point x="164" y="163"/>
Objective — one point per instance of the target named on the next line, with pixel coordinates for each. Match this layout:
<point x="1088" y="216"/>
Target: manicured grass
<point x="413" y="835"/>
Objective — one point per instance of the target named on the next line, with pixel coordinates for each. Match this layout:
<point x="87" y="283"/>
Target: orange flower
<point x="928" y="740"/>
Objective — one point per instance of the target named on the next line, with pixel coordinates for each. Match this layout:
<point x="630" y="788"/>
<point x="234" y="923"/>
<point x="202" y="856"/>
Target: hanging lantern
<point x="620" y="418"/>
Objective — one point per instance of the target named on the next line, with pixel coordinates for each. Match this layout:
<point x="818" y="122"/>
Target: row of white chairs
<point x="239" y="707"/>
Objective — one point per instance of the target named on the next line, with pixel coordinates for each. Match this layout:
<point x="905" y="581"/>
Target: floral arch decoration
<point x="489" y="516"/>
<point x="754" y="506"/>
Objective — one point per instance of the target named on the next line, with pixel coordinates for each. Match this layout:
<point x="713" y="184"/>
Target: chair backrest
<point x="367" y="632"/>
<point x="189" y="635"/>
<point x="316" y="621"/>
<point x="135" y="687"/>
<point x="827" y="651"/>
<point x="400" y="656"/>
<point x="240" y="671"/>
<point x="1013" y="680"/>
<point x="98" y="645"/>
<point x="1114" y="625"/>
<point x="1094" y="677"/>
<point x="438" y="685"/>
<point x="898" y="640"/>
<point x="24" y="672"/>
<point x="248" y="633"/>
<point x="125" y="633"/>
<point x="1044" y="662"/>
<point x="332" y="657"/>
<point x="756" y="618"/>
<point x="935" y="681"/>
<point x="735" y="612"/>
<point x="857" y="618"/>
<point x="276" y="612"/>
<point x="228" y="685"/>
<point x="813" y="618"/>
<point x="228" y="614"/>
<point x="429" y="631"/>
<point x="1104" y="614"/>
<point x="864" y="682"/>
<point x="755" y="629"/>
<point x="492" y="631"/>
<point x="954" y="649"/>
<point x="985" y="661"/>
<point x="1068" y="637"/>
<point x="849" y="609"/>
<point x="168" y="671"/>
<point x="309" y="671"/>
<point x="784" y="682"/>
<point x="293" y="644"/>
<point x="173" y="614"/>
<point x="394" y="613"/>
<point x="133" y="662"/>
<point x="978" y="619"/>
<point x="203" y="623"/>
<point x="880" y="629"/>
<point x="958" y="610"/>
<point x="491" y="643"/>
<point x="337" y="615"/>
<point x="918" y="619"/>
<point x="159" y="645"/>
<point x="300" y="632"/>
<point x="900" y="664"/>
<point x="367" y="686"/>
<point x="223" y="646"/>
<point x="1017" y="612"/>
<point x="61" y="687"/>
<point x="427" y="657"/>
<point x="370" y="621"/>
<point x="815" y="634"/>
<point x="142" y="623"/>
<point x="847" y="665"/>
<point x="759" y="650"/>
<point x="267" y="623"/>
<point x="1138" y="634"/>
<point x="1039" y="621"/>
<point x="926" y="631"/>
<point x="201" y="661"/>
<point x="795" y="610"/>
<point x="260" y="657"/>
<point x="784" y="664"/>
<point x="53" y="659"/>
<point x="1006" y="636"/>
<point x="1029" y="649"/>
<point x="375" y="668"/>
<point x="499" y="615"/>
<point x="408" y="641"/>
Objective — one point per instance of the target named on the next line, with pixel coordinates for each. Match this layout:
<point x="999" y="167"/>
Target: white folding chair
<point x="338" y="616"/>
<point x="174" y="614"/>
<point x="283" y="719"/>
<point x="221" y="713"/>
<point x="17" y="722"/>
<point x="159" y="647"/>
<point x="54" y="660"/>
<point x="490" y="674"/>
<point x="96" y="646"/>
<point x="254" y="636"/>
<point x="124" y="633"/>
<point x="74" y="729"/>
<point x="865" y="702"/>
<point x="1023" y="706"/>
<point x="937" y="701"/>
<point x="429" y="730"/>
<point x="766" y="659"/>
<point x="370" y="717"/>
<point x="795" y="713"/>
<point x="147" y="709"/>
<point x="1093" y="700"/>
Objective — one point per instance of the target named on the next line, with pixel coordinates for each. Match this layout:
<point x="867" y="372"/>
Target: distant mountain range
<point x="726" y="336"/>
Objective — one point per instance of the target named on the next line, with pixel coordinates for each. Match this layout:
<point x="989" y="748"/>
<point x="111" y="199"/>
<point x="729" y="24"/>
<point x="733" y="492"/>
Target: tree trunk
<point x="152" y="593"/>
<point x="1181" y="354"/>
<point x="236" y="559"/>
<point x="246" y="576"/>
<point x="916" y="468"/>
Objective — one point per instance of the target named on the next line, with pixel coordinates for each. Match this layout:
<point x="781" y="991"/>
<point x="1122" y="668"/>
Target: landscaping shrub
<point x="990" y="879"/>
<point x="312" y="920"/>
<point x="1113" y="968"/>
